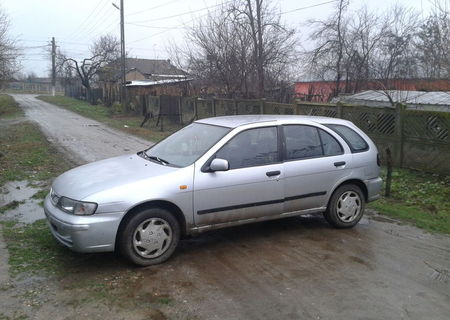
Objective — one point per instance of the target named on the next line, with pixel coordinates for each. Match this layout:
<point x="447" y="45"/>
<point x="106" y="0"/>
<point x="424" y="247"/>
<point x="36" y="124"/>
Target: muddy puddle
<point x="16" y="199"/>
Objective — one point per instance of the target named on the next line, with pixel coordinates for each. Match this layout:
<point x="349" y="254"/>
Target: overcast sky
<point x="150" y="24"/>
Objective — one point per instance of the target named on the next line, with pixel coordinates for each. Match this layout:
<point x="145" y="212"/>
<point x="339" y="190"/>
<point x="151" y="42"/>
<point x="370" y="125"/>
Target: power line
<point x="153" y="27"/>
<point x="308" y="7"/>
<point x="107" y="15"/>
<point x="88" y="20"/>
<point x="96" y="21"/>
<point x="152" y="8"/>
<point x="189" y="21"/>
<point x="181" y="14"/>
<point x="34" y="47"/>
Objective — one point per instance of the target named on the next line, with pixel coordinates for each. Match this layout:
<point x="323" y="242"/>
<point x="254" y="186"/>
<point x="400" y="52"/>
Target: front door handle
<point x="340" y="163"/>
<point x="273" y="173"/>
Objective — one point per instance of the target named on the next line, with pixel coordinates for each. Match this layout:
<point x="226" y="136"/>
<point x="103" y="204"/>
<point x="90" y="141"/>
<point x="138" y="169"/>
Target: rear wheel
<point x="346" y="207"/>
<point x="150" y="237"/>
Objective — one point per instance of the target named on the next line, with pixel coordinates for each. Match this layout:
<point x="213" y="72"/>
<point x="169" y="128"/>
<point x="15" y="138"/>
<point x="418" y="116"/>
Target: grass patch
<point x="41" y="194"/>
<point x="27" y="155"/>
<point x="16" y="316"/>
<point x="12" y="205"/>
<point x="32" y="248"/>
<point x="420" y="198"/>
<point x="125" y="122"/>
<point x="9" y="107"/>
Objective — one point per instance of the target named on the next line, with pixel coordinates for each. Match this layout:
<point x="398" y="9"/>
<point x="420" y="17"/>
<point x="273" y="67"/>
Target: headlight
<point x="79" y="208"/>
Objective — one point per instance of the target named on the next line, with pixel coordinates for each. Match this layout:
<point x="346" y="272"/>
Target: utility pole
<point x="53" y="66"/>
<point x="122" y="51"/>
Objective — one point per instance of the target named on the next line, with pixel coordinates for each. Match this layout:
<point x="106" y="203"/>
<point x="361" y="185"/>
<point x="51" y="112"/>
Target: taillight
<point x="378" y="160"/>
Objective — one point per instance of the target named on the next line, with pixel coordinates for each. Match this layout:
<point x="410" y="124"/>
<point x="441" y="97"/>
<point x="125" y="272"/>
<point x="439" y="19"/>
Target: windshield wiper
<point x="144" y="155"/>
<point x="162" y="161"/>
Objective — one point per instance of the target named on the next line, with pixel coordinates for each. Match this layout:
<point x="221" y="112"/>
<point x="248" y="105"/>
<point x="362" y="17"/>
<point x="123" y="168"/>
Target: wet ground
<point x="297" y="268"/>
<point x="81" y="139"/>
<point x="27" y="209"/>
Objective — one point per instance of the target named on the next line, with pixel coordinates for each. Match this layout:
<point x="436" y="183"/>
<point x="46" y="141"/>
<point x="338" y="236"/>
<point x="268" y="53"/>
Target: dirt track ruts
<point x="83" y="139"/>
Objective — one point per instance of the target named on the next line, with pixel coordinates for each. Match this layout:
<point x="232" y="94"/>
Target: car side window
<point x="254" y="147"/>
<point x="331" y="147"/>
<point x="353" y="139"/>
<point x="302" y="142"/>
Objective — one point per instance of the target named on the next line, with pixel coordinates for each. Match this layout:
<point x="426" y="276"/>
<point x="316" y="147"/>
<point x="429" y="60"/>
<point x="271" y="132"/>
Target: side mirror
<point x="219" y="165"/>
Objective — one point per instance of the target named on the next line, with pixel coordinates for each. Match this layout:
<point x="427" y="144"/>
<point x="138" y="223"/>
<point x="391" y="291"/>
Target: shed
<point x="418" y="100"/>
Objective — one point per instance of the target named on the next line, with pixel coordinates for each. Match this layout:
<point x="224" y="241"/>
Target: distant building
<point x="323" y="91"/>
<point x="419" y="100"/>
<point x="37" y="85"/>
<point x="145" y="77"/>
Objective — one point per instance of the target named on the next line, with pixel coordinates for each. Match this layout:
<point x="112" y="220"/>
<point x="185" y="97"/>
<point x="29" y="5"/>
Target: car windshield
<point x="186" y="145"/>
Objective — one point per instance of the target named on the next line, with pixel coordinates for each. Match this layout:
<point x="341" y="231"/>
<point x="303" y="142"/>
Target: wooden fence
<point x="80" y="93"/>
<point x="417" y="139"/>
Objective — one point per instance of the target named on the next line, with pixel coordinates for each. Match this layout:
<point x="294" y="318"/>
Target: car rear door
<point x="314" y="162"/>
<point x="251" y="188"/>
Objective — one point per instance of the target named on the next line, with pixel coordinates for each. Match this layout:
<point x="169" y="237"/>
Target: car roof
<point x="241" y="120"/>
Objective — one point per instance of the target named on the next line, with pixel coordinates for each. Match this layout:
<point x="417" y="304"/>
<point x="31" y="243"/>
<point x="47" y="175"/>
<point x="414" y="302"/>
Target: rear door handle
<point x="340" y="163"/>
<point x="273" y="173"/>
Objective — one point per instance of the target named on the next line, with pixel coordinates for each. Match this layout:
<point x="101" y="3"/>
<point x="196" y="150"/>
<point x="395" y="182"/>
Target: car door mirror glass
<point x="219" y="165"/>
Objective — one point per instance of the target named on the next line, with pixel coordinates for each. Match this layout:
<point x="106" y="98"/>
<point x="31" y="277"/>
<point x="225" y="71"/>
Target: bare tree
<point x="329" y="35"/>
<point x="395" y="56"/>
<point x="8" y="50"/>
<point x="433" y="42"/>
<point x="364" y="34"/>
<point x="238" y="47"/>
<point x="364" y="48"/>
<point x="103" y="51"/>
<point x="273" y="43"/>
<point x="218" y="54"/>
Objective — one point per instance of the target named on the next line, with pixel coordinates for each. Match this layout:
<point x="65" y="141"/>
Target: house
<point x="418" y="100"/>
<point x="144" y="77"/>
<point x="323" y="91"/>
<point x="150" y="69"/>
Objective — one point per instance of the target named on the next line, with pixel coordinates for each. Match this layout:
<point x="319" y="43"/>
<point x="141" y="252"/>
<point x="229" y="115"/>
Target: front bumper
<point x="373" y="188"/>
<point x="95" y="233"/>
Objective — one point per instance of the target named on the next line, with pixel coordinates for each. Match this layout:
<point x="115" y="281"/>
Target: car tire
<point x="346" y="206"/>
<point x="149" y="237"/>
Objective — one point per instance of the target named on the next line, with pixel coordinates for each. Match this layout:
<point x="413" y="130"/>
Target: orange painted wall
<point x="322" y="91"/>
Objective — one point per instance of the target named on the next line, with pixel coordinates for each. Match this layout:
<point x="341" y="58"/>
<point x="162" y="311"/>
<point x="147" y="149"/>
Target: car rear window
<point x="353" y="139"/>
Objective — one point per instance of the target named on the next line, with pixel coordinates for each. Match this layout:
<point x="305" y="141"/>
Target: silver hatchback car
<point x="215" y="173"/>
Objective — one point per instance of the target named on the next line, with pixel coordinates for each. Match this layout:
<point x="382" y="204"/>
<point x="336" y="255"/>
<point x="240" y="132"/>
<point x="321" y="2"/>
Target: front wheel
<point x="346" y="207"/>
<point x="150" y="237"/>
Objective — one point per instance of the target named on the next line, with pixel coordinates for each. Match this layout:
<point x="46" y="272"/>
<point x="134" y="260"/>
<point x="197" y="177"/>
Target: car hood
<point x="80" y="182"/>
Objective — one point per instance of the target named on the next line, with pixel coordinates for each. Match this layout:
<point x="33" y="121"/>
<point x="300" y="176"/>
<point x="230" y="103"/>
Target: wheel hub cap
<point x="348" y="206"/>
<point x="152" y="238"/>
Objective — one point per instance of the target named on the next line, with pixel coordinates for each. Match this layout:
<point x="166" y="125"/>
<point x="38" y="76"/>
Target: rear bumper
<point x="373" y="188"/>
<point x="96" y="233"/>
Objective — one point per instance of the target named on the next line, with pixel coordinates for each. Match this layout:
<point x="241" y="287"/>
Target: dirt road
<point x="296" y="268"/>
<point x="83" y="140"/>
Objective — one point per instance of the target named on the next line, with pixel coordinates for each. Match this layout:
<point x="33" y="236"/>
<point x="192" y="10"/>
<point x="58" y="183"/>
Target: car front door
<point x="314" y="162"/>
<point x="251" y="188"/>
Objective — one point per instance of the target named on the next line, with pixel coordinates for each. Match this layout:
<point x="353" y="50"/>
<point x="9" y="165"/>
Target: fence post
<point x="195" y="108"/>
<point x="262" y="104"/>
<point x="298" y="109"/>
<point x="399" y="134"/>
<point x="235" y="106"/>
<point x="180" y="109"/>
<point x="339" y="110"/>
<point x="214" y="107"/>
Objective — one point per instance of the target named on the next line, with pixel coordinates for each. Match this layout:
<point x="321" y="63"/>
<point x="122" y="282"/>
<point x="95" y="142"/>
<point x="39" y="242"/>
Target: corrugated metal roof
<point x="144" y="83"/>
<point x="407" y="97"/>
<point x="153" y="66"/>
